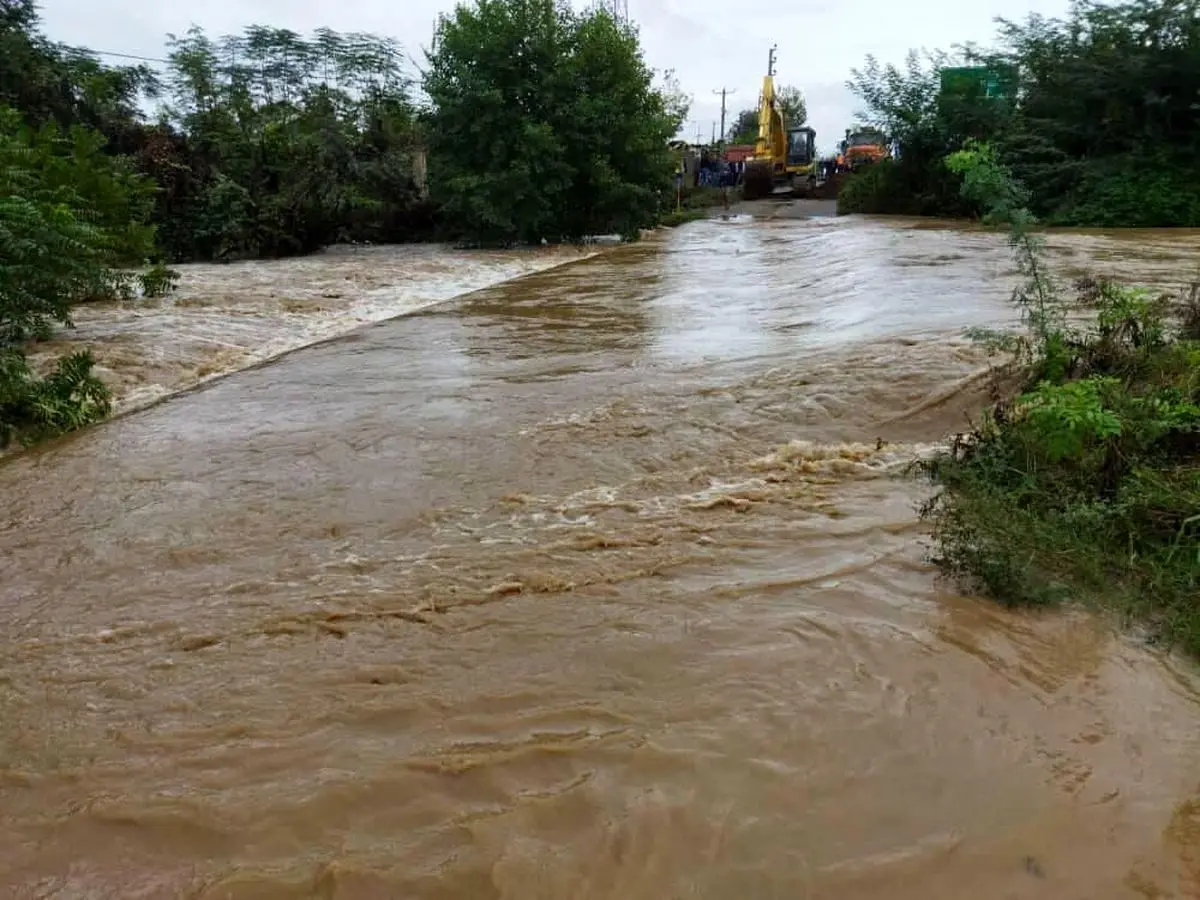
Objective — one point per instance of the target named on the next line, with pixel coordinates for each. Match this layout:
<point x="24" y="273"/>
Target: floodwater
<point x="603" y="583"/>
<point x="224" y="318"/>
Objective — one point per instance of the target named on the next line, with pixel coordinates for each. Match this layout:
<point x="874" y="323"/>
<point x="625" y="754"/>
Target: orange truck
<point x="861" y="148"/>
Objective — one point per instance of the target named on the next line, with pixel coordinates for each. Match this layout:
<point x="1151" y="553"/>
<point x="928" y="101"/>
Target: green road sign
<point x="987" y="81"/>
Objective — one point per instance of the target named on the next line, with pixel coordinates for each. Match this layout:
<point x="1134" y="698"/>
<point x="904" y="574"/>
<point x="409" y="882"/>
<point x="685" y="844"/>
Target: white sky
<point x="709" y="44"/>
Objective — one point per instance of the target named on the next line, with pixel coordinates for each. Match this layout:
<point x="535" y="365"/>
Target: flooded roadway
<point x="605" y="583"/>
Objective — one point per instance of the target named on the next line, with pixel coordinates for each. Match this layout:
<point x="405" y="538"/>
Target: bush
<point x="71" y="220"/>
<point x="902" y="188"/>
<point x="1134" y="193"/>
<point x="878" y="190"/>
<point x="1085" y="486"/>
<point x="32" y="408"/>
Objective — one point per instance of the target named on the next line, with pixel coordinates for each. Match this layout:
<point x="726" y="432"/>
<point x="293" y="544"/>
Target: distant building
<point x="738" y="153"/>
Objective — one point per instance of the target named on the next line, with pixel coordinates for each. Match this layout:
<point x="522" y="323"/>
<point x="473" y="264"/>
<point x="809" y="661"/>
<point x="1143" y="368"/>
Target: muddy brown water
<point x="604" y="583"/>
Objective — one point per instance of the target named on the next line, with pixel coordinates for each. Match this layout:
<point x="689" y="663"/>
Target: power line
<point x="126" y="56"/>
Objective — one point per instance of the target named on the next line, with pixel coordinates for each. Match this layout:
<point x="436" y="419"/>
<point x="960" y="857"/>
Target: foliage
<point x="677" y="217"/>
<point x="1103" y="129"/>
<point x="745" y="127"/>
<point x="32" y="408"/>
<point x="71" y="217"/>
<point x="72" y="220"/>
<point x="1086" y="485"/>
<point x="905" y="105"/>
<point x="274" y="145"/>
<point x="546" y="124"/>
<point x="50" y="82"/>
<point x="895" y="187"/>
<point x="158" y="281"/>
<point x="790" y="101"/>
<point x="1109" y="93"/>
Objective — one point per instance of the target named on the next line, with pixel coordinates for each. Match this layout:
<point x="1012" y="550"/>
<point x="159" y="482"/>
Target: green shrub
<point x="878" y="190"/>
<point x="32" y="408"/>
<point x="72" y="220"/>
<point x="1086" y="485"/>
<point x="1133" y="192"/>
<point x="902" y="188"/>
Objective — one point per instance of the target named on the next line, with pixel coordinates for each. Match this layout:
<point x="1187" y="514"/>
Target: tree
<point x="745" y="127"/>
<point x="790" y="101"/>
<point x="1107" y="129"/>
<point x="48" y="82"/>
<point x="1099" y="120"/>
<point x="904" y="103"/>
<point x="677" y="101"/>
<point x="545" y="124"/>
<point x="275" y="144"/>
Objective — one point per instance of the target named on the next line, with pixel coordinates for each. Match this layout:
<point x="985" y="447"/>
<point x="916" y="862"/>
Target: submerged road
<point x="603" y="583"/>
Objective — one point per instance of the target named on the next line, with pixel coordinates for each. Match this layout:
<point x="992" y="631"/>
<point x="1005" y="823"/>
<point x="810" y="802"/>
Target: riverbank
<point x="1081" y="483"/>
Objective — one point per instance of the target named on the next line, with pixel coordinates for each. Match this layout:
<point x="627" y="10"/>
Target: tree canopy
<point x="545" y="123"/>
<point x="1102" y="125"/>
<point x="273" y="144"/>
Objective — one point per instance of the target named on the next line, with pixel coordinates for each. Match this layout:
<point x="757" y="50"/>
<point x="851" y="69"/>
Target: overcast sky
<point x="709" y="43"/>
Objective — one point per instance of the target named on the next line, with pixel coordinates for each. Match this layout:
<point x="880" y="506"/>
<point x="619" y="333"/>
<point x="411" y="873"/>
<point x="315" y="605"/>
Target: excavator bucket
<point x="758" y="181"/>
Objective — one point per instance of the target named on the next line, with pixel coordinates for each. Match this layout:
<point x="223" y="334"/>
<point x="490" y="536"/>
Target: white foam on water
<point x="224" y="318"/>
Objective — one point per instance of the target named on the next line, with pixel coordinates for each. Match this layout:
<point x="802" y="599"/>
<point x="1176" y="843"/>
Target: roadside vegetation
<point x="1100" y="122"/>
<point x="537" y="123"/>
<point x="1086" y="485"/>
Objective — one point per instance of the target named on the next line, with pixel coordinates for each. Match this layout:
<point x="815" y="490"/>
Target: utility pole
<point x="724" y="92"/>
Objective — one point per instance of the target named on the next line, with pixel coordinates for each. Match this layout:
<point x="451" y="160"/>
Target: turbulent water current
<point x="604" y="582"/>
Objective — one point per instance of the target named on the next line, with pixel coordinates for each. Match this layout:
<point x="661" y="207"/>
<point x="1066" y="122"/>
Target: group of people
<point x="715" y="171"/>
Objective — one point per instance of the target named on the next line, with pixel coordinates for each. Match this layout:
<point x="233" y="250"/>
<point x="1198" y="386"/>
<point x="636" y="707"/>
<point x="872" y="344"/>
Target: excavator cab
<point x="801" y="146"/>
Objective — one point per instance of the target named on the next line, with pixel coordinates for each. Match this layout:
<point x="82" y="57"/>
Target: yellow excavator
<point x="783" y="156"/>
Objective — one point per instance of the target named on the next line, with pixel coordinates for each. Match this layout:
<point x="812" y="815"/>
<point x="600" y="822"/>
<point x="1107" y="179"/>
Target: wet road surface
<point x="605" y="583"/>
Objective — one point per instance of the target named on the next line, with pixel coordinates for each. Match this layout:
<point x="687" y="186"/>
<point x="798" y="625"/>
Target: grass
<point x="1084" y="486"/>
<point x="675" y="218"/>
<point x="696" y="203"/>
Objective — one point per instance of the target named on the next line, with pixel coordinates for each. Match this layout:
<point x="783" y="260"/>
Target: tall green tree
<point x="790" y="101"/>
<point x="288" y="143"/>
<point x="546" y="123"/>
<point x="906" y="103"/>
<point x="73" y="220"/>
<point x="1108" y="126"/>
<point x="49" y="82"/>
<point x="745" y="127"/>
